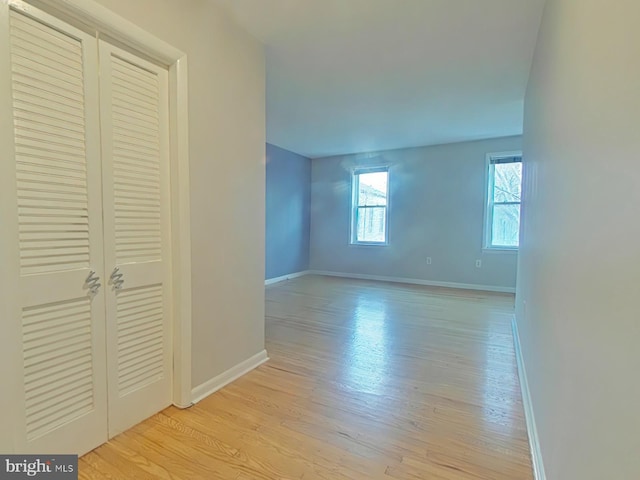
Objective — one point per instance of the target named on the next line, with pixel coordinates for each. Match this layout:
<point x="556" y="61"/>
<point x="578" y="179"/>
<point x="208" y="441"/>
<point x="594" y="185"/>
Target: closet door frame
<point x="96" y="19"/>
<point x="108" y="25"/>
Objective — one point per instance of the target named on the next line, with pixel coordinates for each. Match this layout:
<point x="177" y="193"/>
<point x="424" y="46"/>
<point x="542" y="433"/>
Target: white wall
<point x="226" y="141"/>
<point x="436" y="209"/>
<point x="579" y="270"/>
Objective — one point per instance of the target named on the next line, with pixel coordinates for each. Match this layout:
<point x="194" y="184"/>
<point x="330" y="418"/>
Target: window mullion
<point x="507" y="203"/>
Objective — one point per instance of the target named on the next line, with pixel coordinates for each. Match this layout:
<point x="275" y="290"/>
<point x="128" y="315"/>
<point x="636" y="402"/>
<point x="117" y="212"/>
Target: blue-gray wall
<point x="287" y="210"/>
<point x="436" y="209"/>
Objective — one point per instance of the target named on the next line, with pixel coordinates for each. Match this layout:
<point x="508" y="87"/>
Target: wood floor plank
<point x="366" y="380"/>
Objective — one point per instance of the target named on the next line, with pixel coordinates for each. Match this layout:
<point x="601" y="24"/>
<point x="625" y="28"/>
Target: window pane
<point x="508" y="181"/>
<point x="372" y="188"/>
<point x="506" y="226"/>
<point x="371" y="224"/>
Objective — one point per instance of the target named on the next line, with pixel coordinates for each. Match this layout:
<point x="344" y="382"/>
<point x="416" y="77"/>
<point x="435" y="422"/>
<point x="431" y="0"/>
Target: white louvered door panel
<point x="135" y="152"/>
<point x="55" y="233"/>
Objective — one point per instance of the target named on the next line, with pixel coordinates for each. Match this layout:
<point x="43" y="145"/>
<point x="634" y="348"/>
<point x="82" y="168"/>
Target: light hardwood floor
<point x="366" y="380"/>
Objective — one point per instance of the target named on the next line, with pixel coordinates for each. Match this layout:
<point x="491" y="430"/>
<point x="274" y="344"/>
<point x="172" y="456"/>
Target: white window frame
<point x="487" y="244"/>
<point x="355" y="185"/>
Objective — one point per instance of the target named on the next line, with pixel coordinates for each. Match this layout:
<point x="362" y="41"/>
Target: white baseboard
<point x="225" y="378"/>
<point x="534" y="442"/>
<point x="415" y="281"/>
<point x="289" y="276"/>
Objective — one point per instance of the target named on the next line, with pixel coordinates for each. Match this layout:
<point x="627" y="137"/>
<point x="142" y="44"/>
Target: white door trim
<point x="104" y="21"/>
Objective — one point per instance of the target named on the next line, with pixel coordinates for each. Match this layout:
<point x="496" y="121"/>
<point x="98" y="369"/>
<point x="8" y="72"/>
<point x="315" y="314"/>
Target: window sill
<point x="500" y="250"/>
<point x="368" y="244"/>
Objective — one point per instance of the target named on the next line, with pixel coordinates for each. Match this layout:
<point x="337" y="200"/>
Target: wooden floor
<point x="366" y="381"/>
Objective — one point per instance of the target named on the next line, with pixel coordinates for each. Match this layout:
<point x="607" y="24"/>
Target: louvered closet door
<point x="56" y="233"/>
<point x="134" y="114"/>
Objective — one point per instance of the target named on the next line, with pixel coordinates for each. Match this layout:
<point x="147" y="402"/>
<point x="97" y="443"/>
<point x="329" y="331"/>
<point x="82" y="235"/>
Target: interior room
<point x="319" y="239"/>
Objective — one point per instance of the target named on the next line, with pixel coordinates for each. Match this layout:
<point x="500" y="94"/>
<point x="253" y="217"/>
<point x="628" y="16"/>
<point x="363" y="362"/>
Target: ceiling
<point x="346" y="76"/>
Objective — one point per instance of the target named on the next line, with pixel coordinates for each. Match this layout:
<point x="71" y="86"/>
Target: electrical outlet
<point x="428" y="260"/>
<point x="478" y="263"/>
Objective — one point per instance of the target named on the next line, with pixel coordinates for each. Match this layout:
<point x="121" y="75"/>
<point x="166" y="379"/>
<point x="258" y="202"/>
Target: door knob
<point x="116" y="279"/>
<point x="92" y="283"/>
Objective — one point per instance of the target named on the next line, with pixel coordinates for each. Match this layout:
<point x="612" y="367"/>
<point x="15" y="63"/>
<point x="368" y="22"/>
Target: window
<point x="502" y="223"/>
<point x="369" y="207"/>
